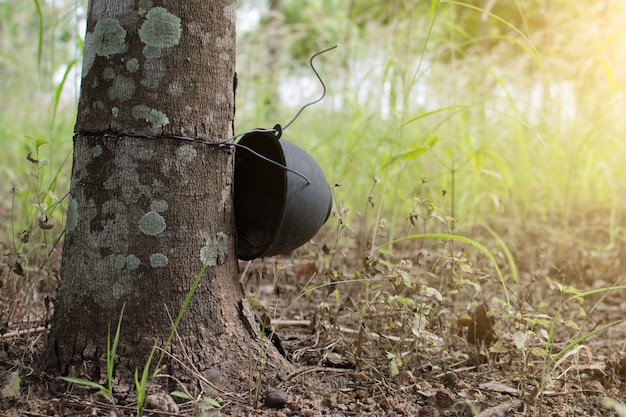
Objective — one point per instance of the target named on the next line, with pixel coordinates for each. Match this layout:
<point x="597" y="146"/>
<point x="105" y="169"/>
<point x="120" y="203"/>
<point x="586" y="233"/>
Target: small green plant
<point x="619" y="408"/>
<point x="550" y="359"/>
<point x="106" y="392"/>
<point x="141" y="385"/>
<point x="463" y="239"/>
<point x="186" y="396"/>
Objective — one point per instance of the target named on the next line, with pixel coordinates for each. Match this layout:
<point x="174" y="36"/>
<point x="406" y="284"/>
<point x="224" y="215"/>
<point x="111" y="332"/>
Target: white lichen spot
<point x="132" y="65"/>
<point x="145" y="154"/>
<point x="187" y="111"/>
<point x="120" y="261"/>
<point x="72" y="215"/>
<point x="161" y="29"/>
<point x="151" y="52"/>
<point x="220" y="98"/>
<point x="115" y="112"/>
<point x="158" y="260"/>
<point x="159" y="206"/>
<point x="154" y="117"/>
<point x="108" y="37"/>
<point x="215" y="250"/>
<point x="175" y="89"/>
<point x="122" y="89"/>
<point x="119" y="290"/>
<point x="186" y="153"/>
<point x="108" y="74"/>
<point x="153" y="72"/>
<point x="96" y="151"/>
<point x="230" y="12"/>
<point x="226" y="42"/>
<point x="152" y="223"/>
<point x="224" y="56"/>
<point x="132" y="262"/>
<point x="144" y="6"/>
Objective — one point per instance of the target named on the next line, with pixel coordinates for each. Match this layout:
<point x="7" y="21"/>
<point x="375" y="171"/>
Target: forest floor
<point x="428" y="329"/>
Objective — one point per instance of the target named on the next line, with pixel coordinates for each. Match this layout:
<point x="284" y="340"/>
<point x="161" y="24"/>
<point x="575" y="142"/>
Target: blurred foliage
<point x="505" y="107"/>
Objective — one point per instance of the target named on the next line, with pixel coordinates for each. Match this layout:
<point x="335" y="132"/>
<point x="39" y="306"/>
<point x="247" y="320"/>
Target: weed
<point x="196" y="398"/>
<point x="106" y="392"/>
<point x="141" y="385"/>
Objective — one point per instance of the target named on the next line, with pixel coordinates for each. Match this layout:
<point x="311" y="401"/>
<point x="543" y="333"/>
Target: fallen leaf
<point x="480" y="329"/>
<point x="499" y="387"/>
<point x="11" y="389"/>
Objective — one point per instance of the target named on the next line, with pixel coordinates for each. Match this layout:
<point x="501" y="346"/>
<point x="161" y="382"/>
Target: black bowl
<point x="279" y="205"/>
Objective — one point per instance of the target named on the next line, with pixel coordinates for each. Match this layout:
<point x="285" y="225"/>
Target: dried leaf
<point x="499" y="387"/>
<point x="24" y="236"/>
<point x="538" y="352"/>
<point x="498" y="347"/>
<point x="520" y="339"/>
<point x="11" y="389"/>
<point x="466" y="268"/>
<point x="17" y="268"/>
<point x="45" y="225"/>
<point x="480" y="329"/>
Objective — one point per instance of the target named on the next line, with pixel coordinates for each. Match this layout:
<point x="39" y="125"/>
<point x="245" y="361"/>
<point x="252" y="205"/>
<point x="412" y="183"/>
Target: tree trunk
<point x="146" y="211"/>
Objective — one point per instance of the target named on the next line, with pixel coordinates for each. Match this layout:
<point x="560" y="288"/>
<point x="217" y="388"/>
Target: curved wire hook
<point x="271" y="161"/>
<point x="321" y="82"/>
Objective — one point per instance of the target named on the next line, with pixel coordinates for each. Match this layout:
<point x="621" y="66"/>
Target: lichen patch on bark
<point x="186" y="153"/>
<point x="109" y="37"/>
<point x="152" y="223"/>
<point x="155" y="118"/>
<point x="215" y="250"/>
<point x="161" y="29"/>
<point x="158" y="260"/>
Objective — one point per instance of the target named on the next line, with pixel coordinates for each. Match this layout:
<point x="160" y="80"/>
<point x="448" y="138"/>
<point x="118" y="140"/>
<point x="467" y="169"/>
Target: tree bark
<point x="146" y="211"/>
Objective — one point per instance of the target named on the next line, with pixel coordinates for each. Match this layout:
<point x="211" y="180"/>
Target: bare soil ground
<point x="425" y="331"/>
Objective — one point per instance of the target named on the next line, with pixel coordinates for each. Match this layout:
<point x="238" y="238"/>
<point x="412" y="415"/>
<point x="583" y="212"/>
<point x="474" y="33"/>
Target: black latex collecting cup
<point x="277" y="209"/>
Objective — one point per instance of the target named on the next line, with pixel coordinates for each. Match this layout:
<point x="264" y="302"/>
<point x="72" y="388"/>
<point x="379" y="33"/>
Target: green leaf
<point x="211" y="401"/>
<point x="478" y="161"/>
<point x="59" y="90"/>
<point x="466" y="268"/>
<point x="409" y="155"/>
<point x="571" y="324"/>
<point x="106" y="393"/>
<point x="38" y="142"/>
<point x="433" y="9"/>
<point x="84" y="382"/>
<point x="180" y="394"/>
<point x="40" y="33"/>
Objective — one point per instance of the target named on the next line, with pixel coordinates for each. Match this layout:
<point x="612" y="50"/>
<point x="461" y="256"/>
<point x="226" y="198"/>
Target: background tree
<point x="146" y="212"/>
